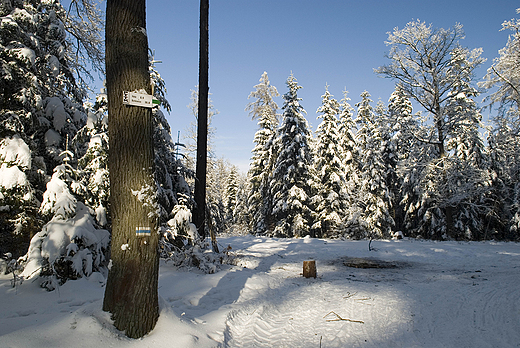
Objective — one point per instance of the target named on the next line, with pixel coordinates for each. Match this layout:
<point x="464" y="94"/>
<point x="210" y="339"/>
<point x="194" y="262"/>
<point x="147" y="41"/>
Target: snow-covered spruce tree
<point x="425" y="62"/>
<point x="331" y="200"/>
<point x="241" y="213"/>
<point x="264" y="105"/>
<point x="70" y="245"/>
<point x="91" y="145"/>
<point x="374" y="196"/>
<point x="292" y="177"/>
<point x="42" y="88"/>
<point x="423" y="217"/>
<point x="469" y="168"/>
<point x="170" y="172"/>
<point x="347" y="140"/>
<point x="402" y="126"/>
<point x="22" y="92"/>
<point x="218" y="173"/>
<point x="504" y="152"/>
<point x="389" y="155"/>
<point x="43" y="46"/>
<point x="354" y="224"/>
<point x="230" y="195"/>
<point x="414" y="215"/>
<point x="264" y="108"/>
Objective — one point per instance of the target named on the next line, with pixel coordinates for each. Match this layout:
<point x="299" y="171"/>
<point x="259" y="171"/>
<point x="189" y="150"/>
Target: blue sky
<point x="334" y="42"/>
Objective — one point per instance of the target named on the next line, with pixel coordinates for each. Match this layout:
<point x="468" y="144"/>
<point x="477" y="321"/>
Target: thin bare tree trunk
<point x="131" y="294"/>
<point x="202" y="122"/>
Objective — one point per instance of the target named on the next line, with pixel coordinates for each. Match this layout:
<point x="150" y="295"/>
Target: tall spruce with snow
<point x="402" y="127"/>
<point x="230" y="195"/>
<point x="469" y="184"/>
<point x="292" y="178"/>
<point x="264" y="108"/>
<point x="42" y="88"/>
<point x="374" y="196"/>
<point x="347" y="140"/>
<point x="331" y="200"/>
<point x="389" y="155"/>
<point x="354" y="224"/>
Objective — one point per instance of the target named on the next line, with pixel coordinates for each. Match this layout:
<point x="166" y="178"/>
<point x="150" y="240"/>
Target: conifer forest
<point x="420" y="165"/>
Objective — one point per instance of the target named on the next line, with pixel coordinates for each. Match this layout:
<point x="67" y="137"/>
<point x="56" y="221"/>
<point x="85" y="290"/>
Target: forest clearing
<point x="436" y="294"/>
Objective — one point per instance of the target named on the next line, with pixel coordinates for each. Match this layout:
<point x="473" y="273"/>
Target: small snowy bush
<point x="10" y="265"/>
<point x="181" y="245"/>
<point x="66" y="249"/>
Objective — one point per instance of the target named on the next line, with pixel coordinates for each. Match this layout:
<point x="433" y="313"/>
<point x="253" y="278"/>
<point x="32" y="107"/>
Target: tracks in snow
<point x="293" y="312"/>
<point x="419" y="305"/>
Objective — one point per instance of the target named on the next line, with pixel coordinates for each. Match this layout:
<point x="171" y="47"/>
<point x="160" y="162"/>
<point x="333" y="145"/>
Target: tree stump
<point x="309" y="269"/>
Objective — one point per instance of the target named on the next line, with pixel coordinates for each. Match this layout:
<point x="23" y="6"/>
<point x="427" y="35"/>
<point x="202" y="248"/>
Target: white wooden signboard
<point x="138" y="99"/>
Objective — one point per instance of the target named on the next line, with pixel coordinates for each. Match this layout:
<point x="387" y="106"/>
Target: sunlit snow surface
<point x="435" y="294"/>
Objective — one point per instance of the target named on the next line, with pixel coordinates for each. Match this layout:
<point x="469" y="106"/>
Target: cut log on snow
<point x="309" y="269"/>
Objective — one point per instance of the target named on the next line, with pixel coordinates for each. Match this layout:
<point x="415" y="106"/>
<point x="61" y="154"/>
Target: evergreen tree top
<point x="365" y="110"/>
<point x="291" y="97"/>
<point x="329" y="106"/>
<point x="264" y="106"/>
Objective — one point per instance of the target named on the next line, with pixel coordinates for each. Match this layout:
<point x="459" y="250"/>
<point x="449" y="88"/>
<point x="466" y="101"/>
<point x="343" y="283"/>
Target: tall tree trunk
<point x="131" y="293"/>
<point x="202" y="122"/>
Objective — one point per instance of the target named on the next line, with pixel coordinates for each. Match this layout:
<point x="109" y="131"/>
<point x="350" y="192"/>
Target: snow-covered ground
<point x="426" y="294"/>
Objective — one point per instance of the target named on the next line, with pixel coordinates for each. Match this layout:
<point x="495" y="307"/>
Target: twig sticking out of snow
<point x="349" y="295"/>
<point x="370" y="247"/>
<point x="338" y="318"/>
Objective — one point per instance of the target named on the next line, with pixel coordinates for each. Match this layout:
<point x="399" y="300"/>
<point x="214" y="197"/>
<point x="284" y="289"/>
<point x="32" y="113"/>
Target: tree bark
<point x="202" y="122"/>
<point x="309" y="269"/>
<point x="131" y="294"/>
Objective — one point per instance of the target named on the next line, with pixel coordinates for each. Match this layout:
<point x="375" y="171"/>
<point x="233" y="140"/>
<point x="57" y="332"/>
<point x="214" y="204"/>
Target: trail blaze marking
<point x="143" y="231"/>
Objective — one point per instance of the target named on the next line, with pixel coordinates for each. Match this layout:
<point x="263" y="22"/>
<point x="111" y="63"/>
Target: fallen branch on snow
<point x="338" y="318"/>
